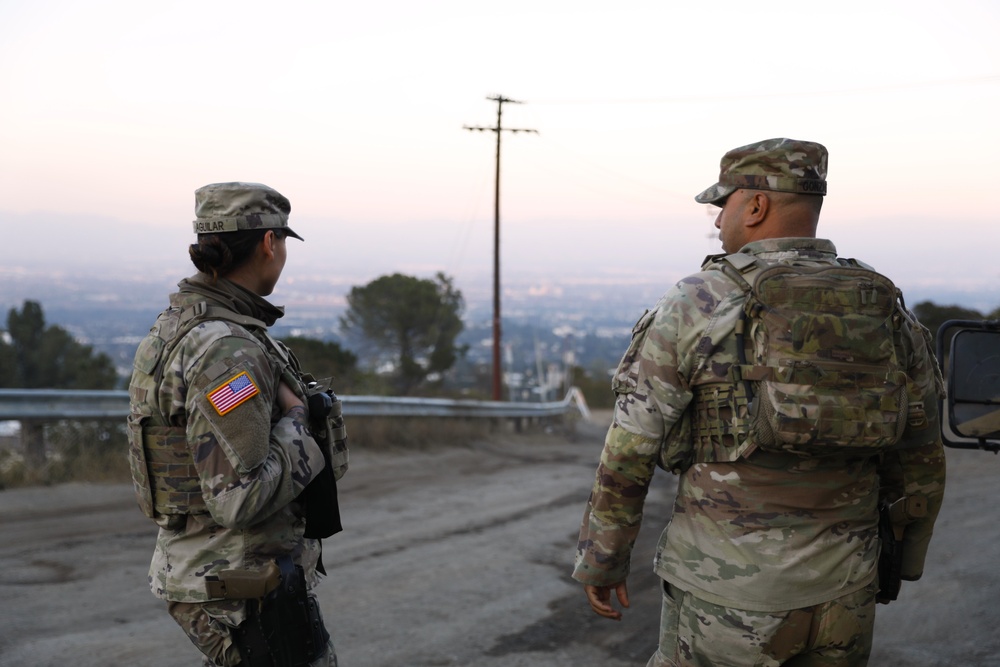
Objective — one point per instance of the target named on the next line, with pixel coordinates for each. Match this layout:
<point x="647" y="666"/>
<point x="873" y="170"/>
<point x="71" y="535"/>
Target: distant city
<point x="579" y="323"/>
<point x="549" y="322"/>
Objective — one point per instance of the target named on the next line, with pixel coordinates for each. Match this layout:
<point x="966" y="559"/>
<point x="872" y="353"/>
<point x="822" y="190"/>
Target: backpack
<point x="818" y="357"/>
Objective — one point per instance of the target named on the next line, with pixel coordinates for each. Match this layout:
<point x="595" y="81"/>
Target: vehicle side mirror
<point x="969" y="354"/>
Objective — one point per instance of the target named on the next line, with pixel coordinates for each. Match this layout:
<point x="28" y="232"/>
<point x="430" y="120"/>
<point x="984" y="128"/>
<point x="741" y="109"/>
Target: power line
<point x="498" y="129"/>
<point x="694" y="99"/>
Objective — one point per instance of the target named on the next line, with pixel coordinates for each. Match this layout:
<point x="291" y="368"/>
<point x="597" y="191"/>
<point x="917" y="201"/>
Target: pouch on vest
<point x="165" y="479"/>
<point x="326" y="422"/>
<point x="626" y="377"/>
<point x="139" y="468"/>
<point x="166" y="482"/>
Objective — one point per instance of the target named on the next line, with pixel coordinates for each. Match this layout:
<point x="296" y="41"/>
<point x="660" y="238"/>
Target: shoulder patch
<point x="232" y="393"/>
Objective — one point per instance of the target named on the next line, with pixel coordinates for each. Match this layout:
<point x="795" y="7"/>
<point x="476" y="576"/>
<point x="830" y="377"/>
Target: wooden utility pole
<point x="497" y="369"/>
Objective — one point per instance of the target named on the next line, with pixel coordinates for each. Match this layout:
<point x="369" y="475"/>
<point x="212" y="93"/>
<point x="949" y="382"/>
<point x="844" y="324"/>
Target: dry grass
<point x="75" y="452"/>
<point x="79" y="452"/>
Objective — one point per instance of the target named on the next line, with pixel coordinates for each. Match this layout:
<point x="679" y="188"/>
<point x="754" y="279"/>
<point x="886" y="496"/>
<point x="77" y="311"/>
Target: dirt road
<point x="450" y="557"/>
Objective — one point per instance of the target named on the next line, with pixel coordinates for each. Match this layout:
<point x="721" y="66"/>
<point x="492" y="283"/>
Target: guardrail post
<point x="33" y="443"/>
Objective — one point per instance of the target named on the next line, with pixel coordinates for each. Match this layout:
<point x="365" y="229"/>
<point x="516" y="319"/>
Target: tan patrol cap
<point x="230" y="207"/>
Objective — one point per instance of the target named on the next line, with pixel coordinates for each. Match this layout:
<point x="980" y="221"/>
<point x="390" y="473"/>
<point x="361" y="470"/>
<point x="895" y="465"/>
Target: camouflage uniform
<point x="761" y="546"/>
<point x="248" y="462"/>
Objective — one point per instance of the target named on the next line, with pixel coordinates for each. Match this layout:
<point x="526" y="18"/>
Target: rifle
<point x="892" y="521"/>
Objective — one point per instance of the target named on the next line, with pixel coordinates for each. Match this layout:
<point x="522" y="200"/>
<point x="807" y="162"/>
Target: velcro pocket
<point x="626" y="378"/>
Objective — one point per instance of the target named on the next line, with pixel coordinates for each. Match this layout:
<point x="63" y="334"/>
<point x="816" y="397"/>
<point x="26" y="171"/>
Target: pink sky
<point x="120" y="110"/>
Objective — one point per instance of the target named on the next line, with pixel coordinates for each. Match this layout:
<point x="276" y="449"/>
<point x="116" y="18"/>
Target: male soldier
<point x="224" y="450"/>
<point x="770" y="557"/>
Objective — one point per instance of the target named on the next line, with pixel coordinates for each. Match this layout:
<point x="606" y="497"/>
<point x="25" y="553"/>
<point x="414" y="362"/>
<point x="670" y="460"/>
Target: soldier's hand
<point x="599" y="598"/>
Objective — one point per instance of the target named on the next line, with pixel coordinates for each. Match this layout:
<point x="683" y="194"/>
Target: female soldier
<point x="220" y="448"/>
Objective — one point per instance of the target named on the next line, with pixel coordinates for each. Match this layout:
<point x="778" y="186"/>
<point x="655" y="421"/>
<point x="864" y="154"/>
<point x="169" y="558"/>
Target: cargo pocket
<point x="626" y="378"/>
<point x="139" y="467"/>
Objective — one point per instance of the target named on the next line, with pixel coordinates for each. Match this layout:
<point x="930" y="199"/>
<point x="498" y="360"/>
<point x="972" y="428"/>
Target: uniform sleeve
<point x="923" y="472"/>
<point x="251" y="462"/>
<point x="925" y="386"/>
<point x="651" y="397"/>
<point x="910" y="472"/>
<point x="918" y="466"/>
<point x="613" y="515"/>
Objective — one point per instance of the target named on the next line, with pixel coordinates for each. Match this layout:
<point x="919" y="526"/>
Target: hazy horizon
<point x="112" y="258"/>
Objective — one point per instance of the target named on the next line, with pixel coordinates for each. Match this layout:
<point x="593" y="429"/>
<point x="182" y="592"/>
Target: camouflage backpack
<point x="818" y="356"/>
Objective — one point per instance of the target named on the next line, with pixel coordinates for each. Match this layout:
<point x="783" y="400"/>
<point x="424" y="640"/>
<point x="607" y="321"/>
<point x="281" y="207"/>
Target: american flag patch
<point x="234" y="392"/>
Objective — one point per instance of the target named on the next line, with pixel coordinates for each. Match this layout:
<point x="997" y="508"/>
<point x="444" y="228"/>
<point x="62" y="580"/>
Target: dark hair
<point x="219" y="254"/>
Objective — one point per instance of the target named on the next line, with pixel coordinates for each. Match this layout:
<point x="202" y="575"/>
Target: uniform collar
<point x="232" y="296"/>
<point x="787" y="248"/>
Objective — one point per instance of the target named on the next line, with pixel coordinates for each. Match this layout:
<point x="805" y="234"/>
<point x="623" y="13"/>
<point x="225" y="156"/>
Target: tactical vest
<point x="819" y="371"/>
<point x="167" y="485"/>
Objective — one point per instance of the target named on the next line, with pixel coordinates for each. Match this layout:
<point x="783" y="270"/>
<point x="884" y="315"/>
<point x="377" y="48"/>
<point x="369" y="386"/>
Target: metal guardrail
<point x="53" y="404"/>
<point x="56" y="404"/>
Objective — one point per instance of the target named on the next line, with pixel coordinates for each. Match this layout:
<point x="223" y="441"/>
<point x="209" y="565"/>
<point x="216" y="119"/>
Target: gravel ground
<point x="450" y="556"/>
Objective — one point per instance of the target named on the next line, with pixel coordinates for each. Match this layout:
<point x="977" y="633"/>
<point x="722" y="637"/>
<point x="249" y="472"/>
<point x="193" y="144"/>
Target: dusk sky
<point x="113" y="112"/>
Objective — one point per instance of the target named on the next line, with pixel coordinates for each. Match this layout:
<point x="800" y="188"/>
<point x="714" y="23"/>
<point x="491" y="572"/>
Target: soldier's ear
<point x="756" y="208"/>
<point x="267" y="244"/>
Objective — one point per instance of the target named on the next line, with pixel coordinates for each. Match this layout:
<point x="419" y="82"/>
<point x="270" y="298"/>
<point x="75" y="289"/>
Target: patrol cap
<point x="230" y="207"/>
<point x="782" y="165"/>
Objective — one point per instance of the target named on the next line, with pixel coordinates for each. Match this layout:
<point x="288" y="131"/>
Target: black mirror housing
<point x="970" y="418"/>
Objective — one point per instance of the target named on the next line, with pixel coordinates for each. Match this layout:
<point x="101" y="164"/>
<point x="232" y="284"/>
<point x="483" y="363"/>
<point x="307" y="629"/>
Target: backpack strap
<point x="740" y="268"/>
<point x="720" y="413"/>
<point x="737" y="266"/>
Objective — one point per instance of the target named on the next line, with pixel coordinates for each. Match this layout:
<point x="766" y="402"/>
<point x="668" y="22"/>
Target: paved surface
<point x="450" y="557"/>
